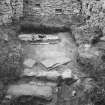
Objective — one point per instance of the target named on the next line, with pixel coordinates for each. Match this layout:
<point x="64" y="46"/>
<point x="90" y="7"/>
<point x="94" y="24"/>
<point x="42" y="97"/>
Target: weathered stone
<point x="10" y="9"/>
<point x="3" y="35"/>
<point x="6" y="12"/>
<point x="66" y="74"/>
<point x="30" y="89"/>
<point x="29" y="62"/>
<point x="102" y="38"/>
<point x="86" y="51"/>
<point x="5" y="18"/>
<point x="49" y="9"/>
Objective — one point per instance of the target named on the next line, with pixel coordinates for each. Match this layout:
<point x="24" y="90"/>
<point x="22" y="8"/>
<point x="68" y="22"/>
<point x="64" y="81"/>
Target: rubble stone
<point x="86" y="51"/>
<point x="10" y="9"/>
<point x="29" y="62"/>
<point x="5" y="12"/>
<point x="48" y="9"/>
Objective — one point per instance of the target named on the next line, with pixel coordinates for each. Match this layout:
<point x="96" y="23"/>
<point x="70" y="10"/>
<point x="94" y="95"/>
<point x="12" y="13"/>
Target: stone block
<point x="29" y="63"/>
<point x="30" y="89"/>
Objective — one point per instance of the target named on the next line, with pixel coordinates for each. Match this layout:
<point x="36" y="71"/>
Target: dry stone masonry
<point x="39" y="10"/>
<point x="10" y="9"/>
<point x="51" y="11"/>
<point x="54" y="11"/>
<point x="5" y="12"/>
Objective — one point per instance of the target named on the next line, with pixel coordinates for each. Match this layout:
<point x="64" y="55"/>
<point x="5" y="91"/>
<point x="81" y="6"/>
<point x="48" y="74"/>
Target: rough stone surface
<point x="5" y="11"/>
<point x="30" y="89"/>
<point x="10" y="9"/>
<point x="29" y="62"/>
<point x="56" y="11"/>
<point x="17" y="8"/>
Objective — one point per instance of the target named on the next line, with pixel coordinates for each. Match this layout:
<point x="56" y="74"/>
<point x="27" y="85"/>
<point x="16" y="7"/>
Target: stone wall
<point x="5" y="11"/>
<point x="50" y="11"/>
<point x="54" y="12"/>
<point x="9" y="10"/>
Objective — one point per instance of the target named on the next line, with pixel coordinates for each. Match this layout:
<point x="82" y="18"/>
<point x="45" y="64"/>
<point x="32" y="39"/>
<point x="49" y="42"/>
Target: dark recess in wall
<point x="42" y="29"/>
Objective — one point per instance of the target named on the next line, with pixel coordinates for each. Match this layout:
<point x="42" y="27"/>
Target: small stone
<point x="29" y="62"/>
<point x="102" y="38"/>
<point x="86" y="51"/>
<point x="25" y="37"/>
<point x="103" y="30"/>
<point x="67" y="74"/>
<point x="77" y="19"/>
<point x="5" y="37"/>
<point x="8" y="96"/>
<point x="73" y="93"/>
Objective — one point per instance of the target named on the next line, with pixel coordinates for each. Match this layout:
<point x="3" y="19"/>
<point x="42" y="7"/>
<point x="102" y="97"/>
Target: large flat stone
<point x="30" y="89"/>
<point x="58" y="60"/>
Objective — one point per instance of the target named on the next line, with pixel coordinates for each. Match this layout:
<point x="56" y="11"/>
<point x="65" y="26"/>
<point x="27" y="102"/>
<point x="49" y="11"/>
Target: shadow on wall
<point x="42" y="29"/>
